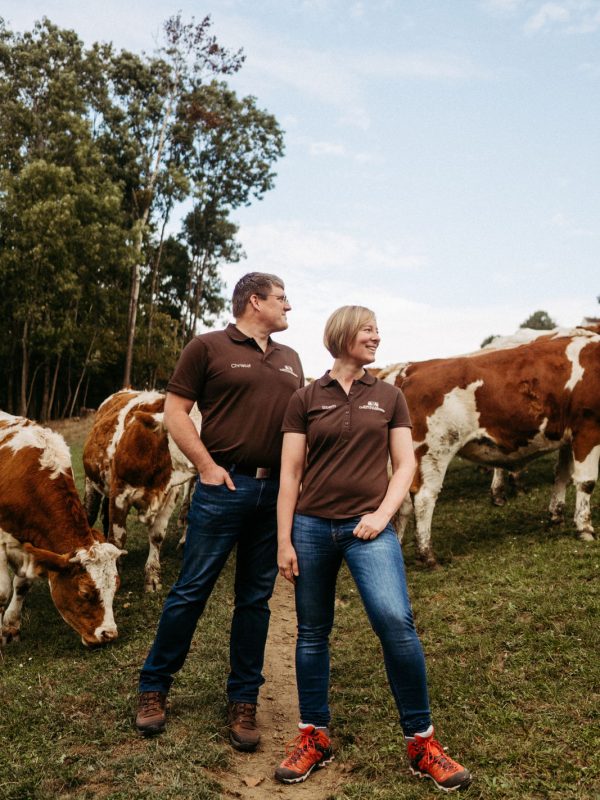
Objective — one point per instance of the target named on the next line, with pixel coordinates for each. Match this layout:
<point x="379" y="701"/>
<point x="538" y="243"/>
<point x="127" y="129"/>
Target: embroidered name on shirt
<point x="288" y="369"/>
<point x="245" y="366"/>
<point x="372" y="405"/>
<point x="326" y="408"/>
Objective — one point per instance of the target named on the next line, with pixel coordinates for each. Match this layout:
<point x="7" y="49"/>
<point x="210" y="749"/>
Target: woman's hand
<point x="287" y="562"/>
<point x="370" y="526"/>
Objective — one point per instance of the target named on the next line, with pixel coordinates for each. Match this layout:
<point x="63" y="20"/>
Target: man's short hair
<point x="259" y="283"/>
<point x="342" y="328"/>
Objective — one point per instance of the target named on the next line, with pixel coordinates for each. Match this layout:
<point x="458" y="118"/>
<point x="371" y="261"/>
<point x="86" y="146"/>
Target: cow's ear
<point x="154" y="422"/>
<point x="46" y="559"/>
<point x="99" y="537"/>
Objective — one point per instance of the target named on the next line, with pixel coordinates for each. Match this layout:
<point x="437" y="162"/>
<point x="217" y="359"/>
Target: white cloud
<point x="336" y="77"/>
<point x="569" y="16"/>
<point x="324" y="252"/>
<point x="338" y="150"/>
<point x="548" y="14"/>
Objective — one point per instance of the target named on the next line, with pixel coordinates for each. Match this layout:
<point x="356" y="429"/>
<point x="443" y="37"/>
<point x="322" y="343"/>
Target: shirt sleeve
<point x="189" y="375"/>
<point x="401" y="416"/>
<point x="294" y="419"/>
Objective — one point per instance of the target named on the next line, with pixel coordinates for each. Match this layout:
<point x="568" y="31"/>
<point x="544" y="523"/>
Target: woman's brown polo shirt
<point x="348" y="443"/>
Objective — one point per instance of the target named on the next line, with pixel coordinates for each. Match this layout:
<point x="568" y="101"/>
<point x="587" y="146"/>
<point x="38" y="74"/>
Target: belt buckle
<point x="263" y="472"/>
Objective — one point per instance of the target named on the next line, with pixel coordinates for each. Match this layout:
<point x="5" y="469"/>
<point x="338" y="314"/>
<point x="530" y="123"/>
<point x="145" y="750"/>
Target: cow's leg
<point x="497" y="489"/>
<point x="11" y="625"/>
<point x="562" y="476"/>
<point x="156" y="536"/>
<point x="5" y="586"/>
<point x="402" y="517"/>
<point x="186" y="499"/>
<point x="24" y="575"/>
<point x="585" y="475"/>
<point x="432" y="469"/>
<point x="118" y="508"/>
<point x="91" y="501"/>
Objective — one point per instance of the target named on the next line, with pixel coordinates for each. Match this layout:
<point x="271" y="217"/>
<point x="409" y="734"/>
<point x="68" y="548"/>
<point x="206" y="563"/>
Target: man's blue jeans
<point x="378" y="571"/>
<point x="219" y="519"/>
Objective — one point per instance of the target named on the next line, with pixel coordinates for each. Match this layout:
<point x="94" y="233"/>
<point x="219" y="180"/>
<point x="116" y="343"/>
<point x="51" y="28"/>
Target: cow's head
<point x="83" y="585"/>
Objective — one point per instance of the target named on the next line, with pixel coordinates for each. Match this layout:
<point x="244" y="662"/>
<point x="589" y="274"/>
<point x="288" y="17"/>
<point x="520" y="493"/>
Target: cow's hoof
<point x="152" y="586"/>
<point x="586" y="536"/>
<point x="10" y="635"/>
<point x="428" y="560"/>
<point x="498" y="501"/>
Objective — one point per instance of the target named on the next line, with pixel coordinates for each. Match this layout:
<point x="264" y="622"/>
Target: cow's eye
<point x="85" y="592"/>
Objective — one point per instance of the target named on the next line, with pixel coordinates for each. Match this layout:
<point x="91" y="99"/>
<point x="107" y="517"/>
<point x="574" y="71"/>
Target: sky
<point x="442" y="160"/>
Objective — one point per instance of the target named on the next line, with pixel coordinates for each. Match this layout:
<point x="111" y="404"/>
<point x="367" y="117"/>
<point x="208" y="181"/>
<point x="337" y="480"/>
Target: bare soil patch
<point x="251" y="774"/>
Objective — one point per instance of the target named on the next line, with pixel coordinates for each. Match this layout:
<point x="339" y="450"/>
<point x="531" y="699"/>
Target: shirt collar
<point x="236" y="335"/>
<point x="367" y="379"/>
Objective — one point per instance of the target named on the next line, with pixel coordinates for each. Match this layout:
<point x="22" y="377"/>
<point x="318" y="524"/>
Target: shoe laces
<point x="303" y="746"/>
<point x="151" y="701"/>
<point x="434" y="754"/>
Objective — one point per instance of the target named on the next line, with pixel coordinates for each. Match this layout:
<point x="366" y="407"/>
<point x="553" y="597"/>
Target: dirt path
<point x="251" y="776"/>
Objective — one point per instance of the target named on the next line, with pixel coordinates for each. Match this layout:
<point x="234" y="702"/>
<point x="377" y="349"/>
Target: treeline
<point x="98" y="150"/>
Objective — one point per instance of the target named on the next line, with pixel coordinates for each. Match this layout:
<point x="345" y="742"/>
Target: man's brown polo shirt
<point x="241" y="392"/>
<point x="348" y="443"/>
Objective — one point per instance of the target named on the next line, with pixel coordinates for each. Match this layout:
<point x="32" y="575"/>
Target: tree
<point x="97" y="150"/>
<point x="488" y="339"/>
<point x="140" y="114"/>
<point x="539" y="321"/>
<point x="61" y="224"/>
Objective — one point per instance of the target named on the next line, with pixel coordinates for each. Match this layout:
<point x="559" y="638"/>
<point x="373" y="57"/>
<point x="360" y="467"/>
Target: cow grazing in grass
<point x="503" y="408"/>
<point x="44" y="530"/>
<point x="130" y="459"/>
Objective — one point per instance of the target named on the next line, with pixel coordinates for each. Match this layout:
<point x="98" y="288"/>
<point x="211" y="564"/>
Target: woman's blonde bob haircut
<point x="342" y="328"/>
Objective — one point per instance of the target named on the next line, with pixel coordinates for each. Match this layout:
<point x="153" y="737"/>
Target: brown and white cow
<point x="130" y="459"/>
<point x="44" y="530"/>
<point x="503" y="408"/>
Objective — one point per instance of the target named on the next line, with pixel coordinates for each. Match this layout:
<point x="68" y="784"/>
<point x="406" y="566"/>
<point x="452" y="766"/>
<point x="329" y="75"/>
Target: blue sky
<point x="442" y="157"/>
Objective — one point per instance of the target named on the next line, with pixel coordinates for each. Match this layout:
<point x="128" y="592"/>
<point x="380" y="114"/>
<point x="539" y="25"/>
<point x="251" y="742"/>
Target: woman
<point x="335" y="502"/>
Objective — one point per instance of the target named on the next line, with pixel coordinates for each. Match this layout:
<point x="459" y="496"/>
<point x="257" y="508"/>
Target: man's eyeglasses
<point x="281" y="297"/>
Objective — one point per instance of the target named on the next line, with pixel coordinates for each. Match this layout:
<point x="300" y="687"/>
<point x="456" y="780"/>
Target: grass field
<point x="510" y="627"/>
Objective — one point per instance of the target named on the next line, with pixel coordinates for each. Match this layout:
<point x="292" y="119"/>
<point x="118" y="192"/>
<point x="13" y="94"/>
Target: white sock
<point x="303" y="725"/>
<point x="425" y="735"/>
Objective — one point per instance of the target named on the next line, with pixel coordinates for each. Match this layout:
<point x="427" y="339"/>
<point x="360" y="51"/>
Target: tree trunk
<point x="134" y="292"/>
<point x="24" y="370"/>
<point x="154" y="282"/>
<point x="53" y="390"/>
<point x="44" y="414"/>
<point x="83" y="373"/>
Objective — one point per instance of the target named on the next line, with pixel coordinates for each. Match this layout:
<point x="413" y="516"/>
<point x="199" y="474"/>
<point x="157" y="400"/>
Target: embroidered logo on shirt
<point x="288" y="369"/>
<point x="373" y="405"/>
<point x="326" y="408"/>
<point x="245" y="366"/>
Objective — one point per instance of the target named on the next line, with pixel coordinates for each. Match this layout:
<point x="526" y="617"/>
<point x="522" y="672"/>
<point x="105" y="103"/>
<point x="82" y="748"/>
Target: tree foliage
<point x="539" y="321"/>
<point x="98" y="150"/>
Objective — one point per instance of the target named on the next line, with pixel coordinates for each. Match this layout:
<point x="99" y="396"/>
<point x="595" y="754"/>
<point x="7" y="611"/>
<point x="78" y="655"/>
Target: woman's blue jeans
<point x="219" y="519"/>
<point x="378" y="571"/>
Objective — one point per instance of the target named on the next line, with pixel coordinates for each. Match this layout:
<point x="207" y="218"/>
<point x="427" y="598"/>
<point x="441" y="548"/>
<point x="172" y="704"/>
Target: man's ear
<point x="253" y="301"/>
<point x="46" y="559"/>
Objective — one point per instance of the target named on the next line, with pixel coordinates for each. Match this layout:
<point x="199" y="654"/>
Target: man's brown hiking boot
<point x="241" y="721"/>
<point x="152" y="713"/>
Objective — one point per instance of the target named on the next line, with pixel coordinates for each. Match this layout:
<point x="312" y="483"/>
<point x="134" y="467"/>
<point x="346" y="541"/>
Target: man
<point x="241" y="380"/>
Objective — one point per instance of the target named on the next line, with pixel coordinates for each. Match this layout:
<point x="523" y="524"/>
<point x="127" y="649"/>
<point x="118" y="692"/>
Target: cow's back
<point x="111" y="423"/>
